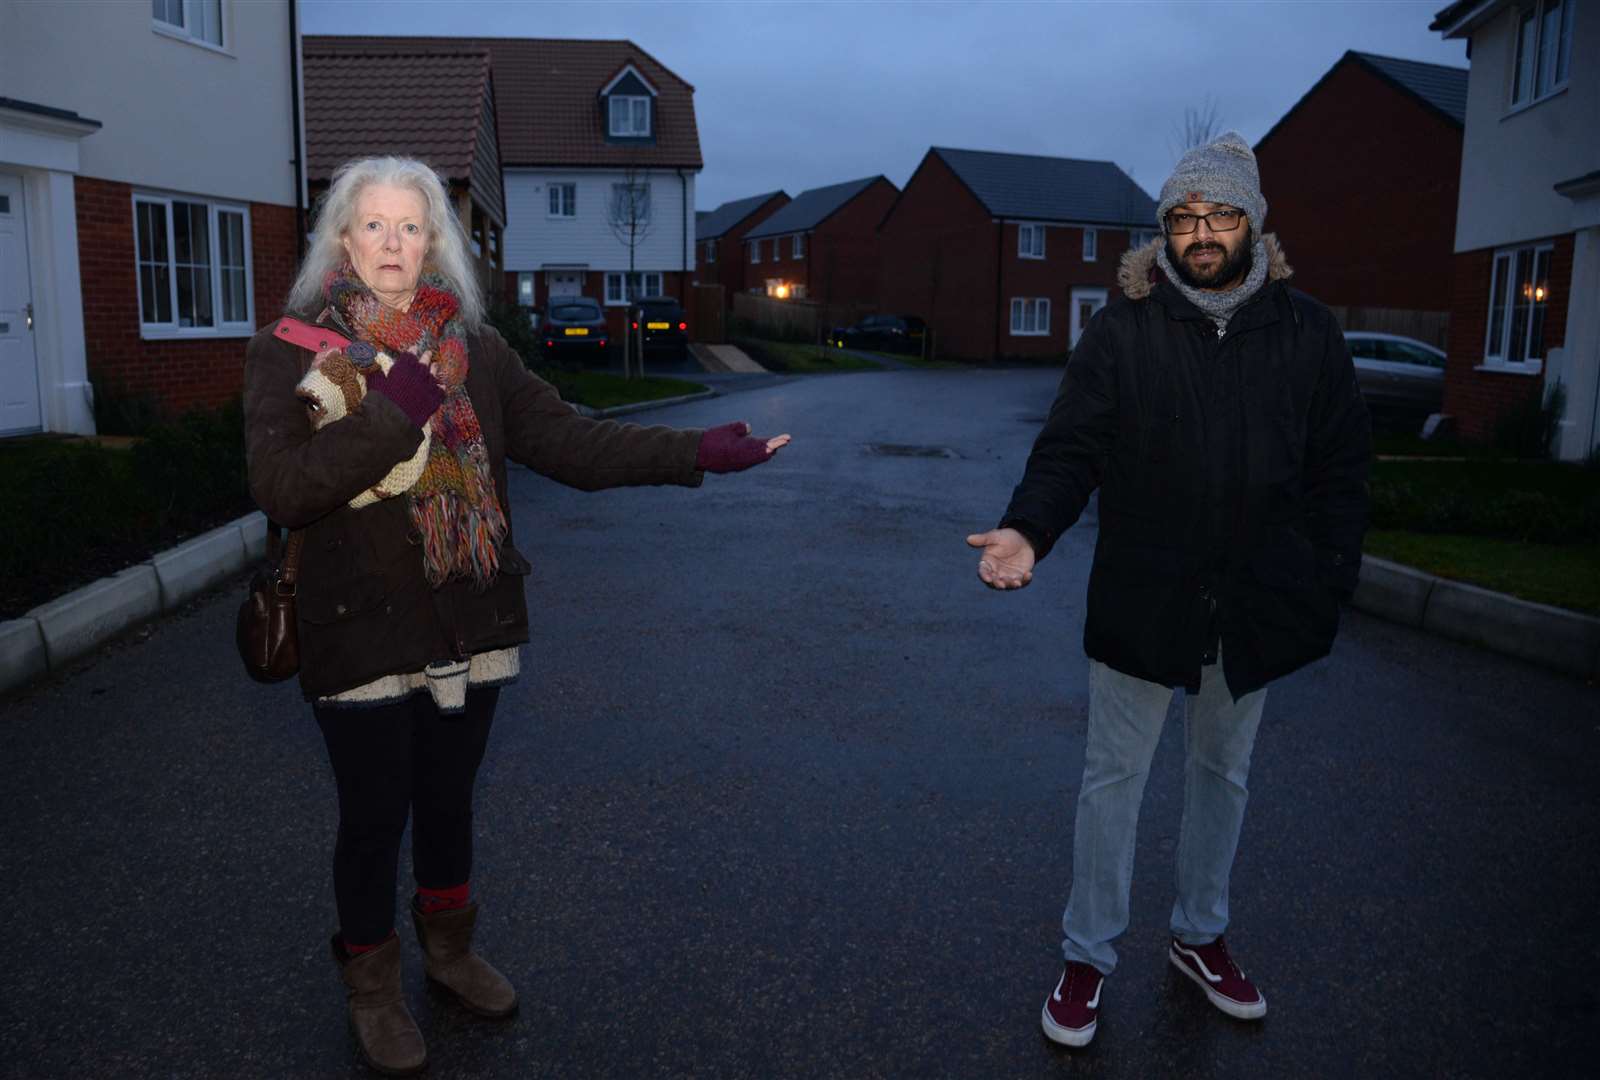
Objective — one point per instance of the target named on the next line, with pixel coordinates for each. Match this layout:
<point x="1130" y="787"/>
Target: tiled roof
<point x="1051" y="188"/>
<point x="548" y="96"/>
<point x="710" y="224"/>
<point x="811" y="208"/>
<point x="442" y="111"/>
<point x="1443" y="87"/>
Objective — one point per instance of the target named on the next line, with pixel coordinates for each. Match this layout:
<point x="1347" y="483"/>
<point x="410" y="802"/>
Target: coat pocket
<point x="342" y="601"/>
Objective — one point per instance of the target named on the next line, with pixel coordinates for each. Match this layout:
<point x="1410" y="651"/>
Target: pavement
<point x="783" y="791"/>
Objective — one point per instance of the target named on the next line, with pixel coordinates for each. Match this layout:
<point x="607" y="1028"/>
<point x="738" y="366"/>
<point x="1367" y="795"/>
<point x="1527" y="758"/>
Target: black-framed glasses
<point x="1181" y="222"/>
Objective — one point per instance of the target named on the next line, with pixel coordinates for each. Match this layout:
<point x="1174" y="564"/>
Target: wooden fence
<point x="1432" y="327"/>
<point x="807" y="319"/>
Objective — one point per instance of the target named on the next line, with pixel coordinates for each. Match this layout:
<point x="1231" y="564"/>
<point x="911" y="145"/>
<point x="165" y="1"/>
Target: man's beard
<point x="1225" y="274"/>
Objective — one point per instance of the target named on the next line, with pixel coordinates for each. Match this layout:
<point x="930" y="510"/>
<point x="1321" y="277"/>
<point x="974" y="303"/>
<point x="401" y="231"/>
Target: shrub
<point x="512" y="321"/>
<point x="1528" y="429"/>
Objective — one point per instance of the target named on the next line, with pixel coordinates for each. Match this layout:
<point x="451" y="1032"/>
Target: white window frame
<point x="1091" y="245"/>
<point x="711" y="251"/>
<point x="1030" y="316"/>
<point x="616" y="294"/>
<point x="151" y="331"/>
<point x="634" y="116"/>
<point x="196" y="17"/>
<point x="1030" y="241"/>
<point x="755" y="251"/>
<point x="563" y="195"/>
<point x="1494" y="352"/>
<point x="777" y="249"/>
<point x="798" y="248"/>
<point x="1539" y="52"/>
<point x="1138" y="238"/>
<point x="525" y="288"/>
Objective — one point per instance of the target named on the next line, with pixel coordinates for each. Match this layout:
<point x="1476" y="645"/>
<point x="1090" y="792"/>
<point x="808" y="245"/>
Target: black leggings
<point x="390" y="761"/>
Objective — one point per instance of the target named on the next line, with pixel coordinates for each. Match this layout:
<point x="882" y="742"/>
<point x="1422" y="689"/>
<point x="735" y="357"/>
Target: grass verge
<point x="799" y="359"/>
<point x="603" y="390"/>
<point x="1562" y="575"/>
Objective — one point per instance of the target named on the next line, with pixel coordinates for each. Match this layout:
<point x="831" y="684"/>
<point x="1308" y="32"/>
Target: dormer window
<point x="630" y="117"/>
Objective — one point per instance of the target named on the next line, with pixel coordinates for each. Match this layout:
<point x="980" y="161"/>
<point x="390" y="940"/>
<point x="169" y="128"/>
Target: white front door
<point x="1085" y="302"/>
<point x="19" y="368"/>
<point x="564" y="283"/>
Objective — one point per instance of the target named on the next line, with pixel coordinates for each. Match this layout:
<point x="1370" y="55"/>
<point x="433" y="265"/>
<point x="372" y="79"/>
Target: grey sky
<point x="796" y="95"/>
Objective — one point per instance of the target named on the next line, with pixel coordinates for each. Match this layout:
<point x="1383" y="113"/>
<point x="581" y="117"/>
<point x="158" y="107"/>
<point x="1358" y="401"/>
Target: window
<point x="624" y="288"/>
<point x="1543" y="50"/>
<point x="711" y="251"/>
<point x="777" y="248"/>
<point x="525" y="290"/>
<point x="1091" y="245"/>
<point x="630" y="203"/>
<point x="630" y="116"/>
<point x="563" y="200"/>
<point x="1030" y="317"/>
<point x="1519" y="292"/>
<point x="798" y="250"/>
<point x="200" y="20"/>
<point x="755" y="251"/>
<point x="1138" y="238"/>
<point x="1030" y="241"/>
<point x="193" y="265"/>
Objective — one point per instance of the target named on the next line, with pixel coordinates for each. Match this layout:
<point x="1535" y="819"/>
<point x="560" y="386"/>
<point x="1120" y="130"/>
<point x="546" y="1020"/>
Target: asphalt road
<point x="784" y="792"/>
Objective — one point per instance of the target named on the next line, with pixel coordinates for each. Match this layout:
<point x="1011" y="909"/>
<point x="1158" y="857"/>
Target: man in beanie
<point x="1216" y="410"/>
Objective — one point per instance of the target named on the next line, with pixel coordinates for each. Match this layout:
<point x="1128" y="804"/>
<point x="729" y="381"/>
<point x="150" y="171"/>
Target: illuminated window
<point x="1519" y="293"/>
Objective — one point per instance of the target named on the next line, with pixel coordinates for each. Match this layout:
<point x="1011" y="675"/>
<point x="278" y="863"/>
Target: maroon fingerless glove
<point x="729" y="448"/>
<point x="409" y="385"/>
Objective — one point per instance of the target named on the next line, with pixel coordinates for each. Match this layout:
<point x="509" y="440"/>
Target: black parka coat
<point x="365" y="607"/>
<point x="1232" y="473"/>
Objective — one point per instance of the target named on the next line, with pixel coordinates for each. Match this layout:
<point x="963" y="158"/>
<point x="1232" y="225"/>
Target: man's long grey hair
<point x="336" y="210"/>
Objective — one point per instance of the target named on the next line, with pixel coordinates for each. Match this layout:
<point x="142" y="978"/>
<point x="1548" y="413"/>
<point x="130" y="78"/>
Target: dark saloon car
<point x="886" y="333"/>
<point x="662" y="325"/>
<point x="1397" y="374"/>
<point x="574" y="327"/>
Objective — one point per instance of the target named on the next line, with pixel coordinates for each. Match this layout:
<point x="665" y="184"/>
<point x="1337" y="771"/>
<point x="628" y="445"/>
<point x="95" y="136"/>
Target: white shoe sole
<point x="1064" y="1035"/>
<point x="1233" y="1008"/>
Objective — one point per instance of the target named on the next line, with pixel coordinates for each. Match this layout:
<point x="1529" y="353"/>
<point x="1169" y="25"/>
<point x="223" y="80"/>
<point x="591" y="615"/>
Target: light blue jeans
<point x="1125" y="719"/>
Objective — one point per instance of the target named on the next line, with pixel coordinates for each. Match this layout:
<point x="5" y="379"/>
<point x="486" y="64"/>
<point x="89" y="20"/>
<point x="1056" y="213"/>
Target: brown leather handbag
<point x="269" y="640"/>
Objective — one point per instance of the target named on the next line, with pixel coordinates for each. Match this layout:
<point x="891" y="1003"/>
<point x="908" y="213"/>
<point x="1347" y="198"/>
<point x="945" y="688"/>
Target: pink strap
<point x="307" y="336"/>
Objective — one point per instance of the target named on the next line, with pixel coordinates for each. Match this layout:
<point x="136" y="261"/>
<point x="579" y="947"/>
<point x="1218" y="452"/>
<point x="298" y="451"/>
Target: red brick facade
<point x="1361" y="180"/>
<point x="1476" y="398"/>
<point x="946" y="260"/>
<point x="731" y="268"/>
<point x="839" y="265"/>
<point x="178" y="375"/>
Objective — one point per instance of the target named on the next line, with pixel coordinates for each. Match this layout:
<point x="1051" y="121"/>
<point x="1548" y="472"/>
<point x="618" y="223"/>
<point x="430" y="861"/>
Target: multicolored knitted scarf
<point x="453" y="506"/>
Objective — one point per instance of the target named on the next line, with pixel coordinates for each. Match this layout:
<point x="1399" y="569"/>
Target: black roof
<point x="1051" y="188"/>
<point x="713" y="223"/>
<point x="1438" y="86"/>
<point x="1446" y="18"/>
<point x="811" y="208"/>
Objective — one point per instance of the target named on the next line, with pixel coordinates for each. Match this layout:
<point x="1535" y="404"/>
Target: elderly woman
<point x="410" y="599"/>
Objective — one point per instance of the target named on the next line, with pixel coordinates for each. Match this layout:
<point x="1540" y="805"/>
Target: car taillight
<point x="602" y="343"/>
<point x="549" y="344"/>
<point x="683" y="326"/>
<point x="636" y="326"/>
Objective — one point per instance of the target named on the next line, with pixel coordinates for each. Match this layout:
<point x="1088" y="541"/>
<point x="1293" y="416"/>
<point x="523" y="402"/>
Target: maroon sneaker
<point x="1214" y="971"/>
<point x="1070" y="1012"/>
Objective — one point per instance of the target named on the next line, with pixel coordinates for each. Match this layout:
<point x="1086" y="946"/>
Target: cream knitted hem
<point x="447" y="681"/>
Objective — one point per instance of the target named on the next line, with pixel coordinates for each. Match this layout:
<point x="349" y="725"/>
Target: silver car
<point x="1397" y="373"/>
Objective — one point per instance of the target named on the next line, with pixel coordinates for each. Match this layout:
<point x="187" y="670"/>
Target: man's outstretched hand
<point x="1007" y="559"/>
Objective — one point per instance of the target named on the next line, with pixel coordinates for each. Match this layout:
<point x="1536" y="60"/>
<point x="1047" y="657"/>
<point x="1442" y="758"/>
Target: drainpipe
<point x="294" y="107"/>
<point x="683" y="243"/>
<point x="999" y="282"/>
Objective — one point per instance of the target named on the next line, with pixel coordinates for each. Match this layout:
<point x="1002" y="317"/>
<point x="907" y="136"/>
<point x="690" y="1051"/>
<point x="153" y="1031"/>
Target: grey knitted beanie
<point x="1222" y="171"/>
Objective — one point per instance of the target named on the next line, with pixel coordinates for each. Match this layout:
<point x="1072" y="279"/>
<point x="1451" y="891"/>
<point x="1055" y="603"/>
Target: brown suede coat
<point x="365" y="607"/>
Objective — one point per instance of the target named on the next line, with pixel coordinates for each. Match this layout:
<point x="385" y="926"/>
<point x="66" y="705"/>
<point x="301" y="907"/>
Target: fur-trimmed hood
<point x="1139" y="271"/>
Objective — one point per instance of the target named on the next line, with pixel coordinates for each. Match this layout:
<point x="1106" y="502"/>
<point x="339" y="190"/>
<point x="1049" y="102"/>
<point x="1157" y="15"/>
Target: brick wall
<point x="841" y="263"/>
<point x="732" y="270"/>
<point x="1053" y="278"/>
<point x="178" y="375"/>
<point x="1477" y="398"/>
<point x="1361" y="181"/>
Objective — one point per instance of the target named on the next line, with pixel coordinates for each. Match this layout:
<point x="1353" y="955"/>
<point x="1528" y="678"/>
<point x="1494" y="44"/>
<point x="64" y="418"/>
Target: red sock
<point x="431" y="900"/>
<point x="357" y="950"/>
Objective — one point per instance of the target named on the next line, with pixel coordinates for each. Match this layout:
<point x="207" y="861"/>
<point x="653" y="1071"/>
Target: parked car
<point x="662" y="325"/>
<point x="1397" y="373"/>
<point x="887" y="333"/>
<point x="575" y="325"/>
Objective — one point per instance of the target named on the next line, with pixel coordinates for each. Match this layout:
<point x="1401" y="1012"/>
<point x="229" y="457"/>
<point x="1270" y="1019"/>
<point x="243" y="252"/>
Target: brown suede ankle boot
<point x="446" y="939"/>
<point x="385" y="1032"/>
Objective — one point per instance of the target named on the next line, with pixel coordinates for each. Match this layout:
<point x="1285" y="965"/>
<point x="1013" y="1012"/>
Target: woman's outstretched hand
<point x="729" y="448"/>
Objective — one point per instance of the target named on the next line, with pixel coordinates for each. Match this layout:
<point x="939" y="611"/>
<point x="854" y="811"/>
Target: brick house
<point x="823" y="246"/>
<point x="1009" y="255"/>
<point x="719" y="238"/>
<point x="1329" y="171"/>
<point x="443" y="112"/>
<point x="148" y="201"/>
<point x="1527" y="235"/>
<point x="586" y="128"/>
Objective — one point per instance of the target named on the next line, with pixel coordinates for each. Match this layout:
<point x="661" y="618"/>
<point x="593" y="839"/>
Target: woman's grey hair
<point x="447" y="244"/>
